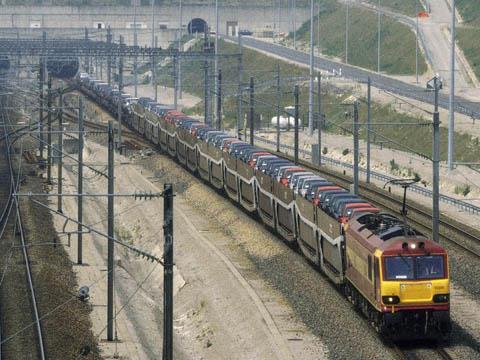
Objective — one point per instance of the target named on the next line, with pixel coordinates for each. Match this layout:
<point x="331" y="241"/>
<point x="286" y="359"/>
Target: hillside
<point x="300" y="3"/>
<point x="262" y="68"/>
<point x="397" y="45"/>
<point x="469" y="32"/>
<point x="406" y="7"/>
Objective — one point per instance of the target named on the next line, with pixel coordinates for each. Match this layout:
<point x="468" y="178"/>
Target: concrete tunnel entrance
<point x="197" y="25"/>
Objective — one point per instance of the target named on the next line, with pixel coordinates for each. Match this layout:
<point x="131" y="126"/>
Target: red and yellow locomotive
<point x="397" y="277"/>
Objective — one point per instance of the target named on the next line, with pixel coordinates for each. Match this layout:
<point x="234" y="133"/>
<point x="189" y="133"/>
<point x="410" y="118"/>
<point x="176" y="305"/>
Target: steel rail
<point x="19" y="223"/>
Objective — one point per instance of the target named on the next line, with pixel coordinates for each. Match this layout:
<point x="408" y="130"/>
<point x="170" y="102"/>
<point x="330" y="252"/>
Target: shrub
<point x="325" y="150"/>
<point x="393" y="165"/>
<point x="345" y="152"/>
<point x="462" y="190"/>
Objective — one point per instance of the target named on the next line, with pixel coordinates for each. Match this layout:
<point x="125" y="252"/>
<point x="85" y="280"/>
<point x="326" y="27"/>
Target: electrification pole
<point x="436" y="166"/>
<point x="296" y="94"/>
<point x="80" y="183"/>
<point x="252" y="111"/>
<point x="320" y="118"/>
<point x="155" y="71"/>
<point x="111" y="232"/>
<point x="42" y="72"/>
<point x="180" y="48"/>
<point x="278" y="106"/>
<point x="369" y="124"/>
<point x="168" y="272"/>
<point x="379" y="37"/>
<point x="219" y="100"/>
<point x="416" y="40"/>
<point x="109" y="56"/>
<point x="49" y="130"/>
<point x="135" y="44"/>
<point x="240" y="88"/>
<point x="310" y="95"/>
<point x="451" y="114"/>
<point x="216" y="44"/>
<point x="60" y="153"/>
<point x="356" y="151"/>
<point x="346" y="30"/>
<point x="206" y="90"/>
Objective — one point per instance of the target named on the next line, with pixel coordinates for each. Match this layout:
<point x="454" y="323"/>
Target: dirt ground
<point x="221" y="309"/>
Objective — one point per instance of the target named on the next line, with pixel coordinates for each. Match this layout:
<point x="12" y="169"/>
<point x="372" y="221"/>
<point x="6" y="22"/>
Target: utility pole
<point x="154" y="46"/>
<point x="219" y="100"/>
<point x="60" y="154"/>
<point x="369" y="124"/>
<point x="216" y="42"/>
<point x="252" y="111"/>
<point x="175" y="81"/>
<point x="80" y="182"/>
<point x="111" y="233"/>
<point x="168" y="272"/>
<point x="206" y="91"/>
<point x="416" y="40"/>
<point x="119" y="105"/>
<point x="42" y="81"/>
<point x="155" y="71"/>
<point x="451" y="102"/>
<point x="109" y="56"/>
<point x="135" y="63"/>
<point x="320" y="118"/>
<point x="356" y="151"/>
<point x="180" y="49"/>
<point x="278" y="106"/>
<point x="436" y="166"/>
<point x="312" y="60"/>
<point x="87" y="58"/>
<point x="294" y="24"/>
<point x="49" y="131"/>
<point x="346" y="30"/>
<point x="240" y="88"/>
<point x="379" y="37"/>
<point x="296" y="94"/>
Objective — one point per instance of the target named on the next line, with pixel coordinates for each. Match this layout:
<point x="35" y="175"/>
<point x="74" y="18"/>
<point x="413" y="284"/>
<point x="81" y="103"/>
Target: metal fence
<point x="382" y="177"/>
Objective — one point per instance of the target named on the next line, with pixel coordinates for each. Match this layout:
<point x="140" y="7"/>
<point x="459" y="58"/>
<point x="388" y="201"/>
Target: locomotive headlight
<point x="390" y="300"/>
<point x="441" y="298"/>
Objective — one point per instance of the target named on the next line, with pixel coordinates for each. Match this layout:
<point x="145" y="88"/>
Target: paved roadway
<point x="379" y="81"/>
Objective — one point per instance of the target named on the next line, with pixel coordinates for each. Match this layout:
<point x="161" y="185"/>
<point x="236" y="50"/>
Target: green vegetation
<point x="300" y="3"/>
<point x="469" y="10"/>
<point x="418" y="138"/>
<point x="397" y="44"/>
<point x="462" y="190"/>
<point x="469" y="33"/>
<point x="468" y="40"/>
<point x="406" y="7"/>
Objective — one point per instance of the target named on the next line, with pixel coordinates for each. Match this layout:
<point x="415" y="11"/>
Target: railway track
<point x="461" y="236"/>
<point x="436" y="352"/>
<point x="451" y="231"/>
<point x="11" y="223"/>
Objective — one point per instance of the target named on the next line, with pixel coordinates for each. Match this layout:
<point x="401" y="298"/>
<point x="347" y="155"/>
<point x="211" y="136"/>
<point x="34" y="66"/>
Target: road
<point x="434" y="38"/>
<point x="357" y="74"/>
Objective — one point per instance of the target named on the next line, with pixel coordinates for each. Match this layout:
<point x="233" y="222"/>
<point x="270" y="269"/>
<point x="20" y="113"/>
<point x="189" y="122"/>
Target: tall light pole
<point x="346" y="31"/>
<point x="310" y="97"/>
<point x="451" y="115"/>
<point x="379" y="36"/>
<point x="416" y="40"/>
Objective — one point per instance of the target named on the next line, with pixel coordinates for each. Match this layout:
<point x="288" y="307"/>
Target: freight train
<point x="394" y="275"/>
